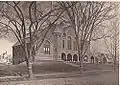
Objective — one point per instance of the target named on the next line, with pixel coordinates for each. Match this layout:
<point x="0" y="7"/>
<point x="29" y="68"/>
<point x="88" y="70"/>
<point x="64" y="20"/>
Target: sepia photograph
<point x="59" y="42"/>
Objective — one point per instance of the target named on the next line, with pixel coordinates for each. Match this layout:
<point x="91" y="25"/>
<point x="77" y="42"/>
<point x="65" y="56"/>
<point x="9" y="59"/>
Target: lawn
<point x="38" y="68"/>
<point x="96" y="66"/>
<point x="110" y="78"/>
<point x="41" y="67"/>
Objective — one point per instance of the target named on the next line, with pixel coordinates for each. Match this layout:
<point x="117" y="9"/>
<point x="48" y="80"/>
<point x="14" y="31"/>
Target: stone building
<point x="17" y="52"/>
<point x="59" y="44"/>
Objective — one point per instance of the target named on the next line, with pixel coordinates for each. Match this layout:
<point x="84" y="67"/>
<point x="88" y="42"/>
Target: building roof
<point x="18" y="43"/>
<point x="28" y="39"/>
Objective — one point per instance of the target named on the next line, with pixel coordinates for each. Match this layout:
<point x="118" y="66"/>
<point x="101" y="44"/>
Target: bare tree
<point x="84" y="18"/>
<point x="30" y="20"/>
<point x="112" y="43"/>
<point x="110" y="36"/>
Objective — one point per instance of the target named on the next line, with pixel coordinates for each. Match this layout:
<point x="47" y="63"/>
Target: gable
<point x="70" y="32"/>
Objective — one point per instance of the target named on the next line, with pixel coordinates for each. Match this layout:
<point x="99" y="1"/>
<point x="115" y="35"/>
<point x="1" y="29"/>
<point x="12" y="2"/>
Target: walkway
<point x="74" y="65"/>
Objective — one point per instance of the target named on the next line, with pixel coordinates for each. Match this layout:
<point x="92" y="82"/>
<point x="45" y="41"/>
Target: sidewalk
<point x="53" y="75"/>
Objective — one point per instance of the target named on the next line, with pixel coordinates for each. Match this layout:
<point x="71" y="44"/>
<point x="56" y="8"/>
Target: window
<point x="75" y="45"/>
<point x="47" y="47"/>
<point x="69" y="43"/>
<point x="63" y="44"/>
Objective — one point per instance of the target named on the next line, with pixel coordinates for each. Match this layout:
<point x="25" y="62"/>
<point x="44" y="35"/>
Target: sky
<point x="6" y="45"/>
<point x="98" y="46"/>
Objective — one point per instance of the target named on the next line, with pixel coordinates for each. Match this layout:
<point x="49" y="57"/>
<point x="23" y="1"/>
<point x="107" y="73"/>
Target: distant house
<point x="5" y="58"/>
<point x="103" y="58"/>
<point x="109" y="58"/>
<point x="59" y="44"/>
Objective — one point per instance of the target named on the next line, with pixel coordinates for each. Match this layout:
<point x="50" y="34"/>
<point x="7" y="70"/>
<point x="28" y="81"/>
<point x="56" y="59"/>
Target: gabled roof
<point x="18" y="43"/>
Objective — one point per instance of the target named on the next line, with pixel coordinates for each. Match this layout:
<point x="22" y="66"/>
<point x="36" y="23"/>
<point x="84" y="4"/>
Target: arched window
<point x="47" y="47"/>
<point x="75" y="45"/>
<point x="69" y="43"/>
<point x="63" y="56"/>
<point x="63" y="44"/>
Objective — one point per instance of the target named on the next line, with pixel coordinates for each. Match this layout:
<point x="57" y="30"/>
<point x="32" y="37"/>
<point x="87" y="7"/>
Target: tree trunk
<point x="115" y="51"/>
<point x="30" y="71"/>
<point x="79" y="53"/>
<point x="29" y="62"/>
<point x="30" y="65"/>
<point x="80" y="59"/>
<point x="80" y="63"/>
<point x="114" y="64"/>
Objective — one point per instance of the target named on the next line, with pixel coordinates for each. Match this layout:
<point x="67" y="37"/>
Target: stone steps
<point x="43" y="58"/>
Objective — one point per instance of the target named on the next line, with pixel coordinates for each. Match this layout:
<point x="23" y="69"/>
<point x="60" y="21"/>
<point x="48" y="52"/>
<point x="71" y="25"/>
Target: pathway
<point x="74" y="65"/>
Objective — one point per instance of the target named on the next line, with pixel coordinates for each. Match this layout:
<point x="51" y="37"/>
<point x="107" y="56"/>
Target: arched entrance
<point x="69" y="57"/>
<point x="75" y="57"/>
<point x="47" y="47"/>
<point x="96" y="60"/>
<point x="104" y="60"/>
<point x="63" y="56"/>
<point x="92" y="59"/>
<point x="85" y="58"/>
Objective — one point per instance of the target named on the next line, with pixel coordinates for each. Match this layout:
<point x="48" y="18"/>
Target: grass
<point x="46" y="67"/>
<point x="86" y="83"/>
<point x="109" y="78"/>
<point x="96" y="66"/>
<point x="64" y="83"/>
<point x="38" y="68"/>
